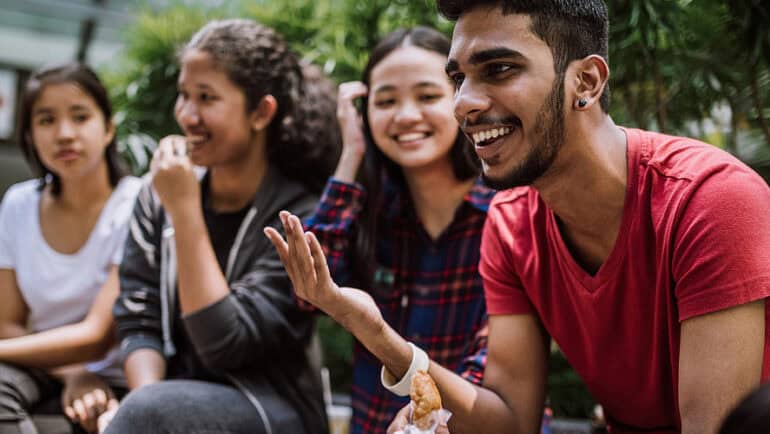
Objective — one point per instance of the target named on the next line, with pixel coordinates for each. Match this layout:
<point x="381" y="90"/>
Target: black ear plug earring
<point x="582" y="102"/>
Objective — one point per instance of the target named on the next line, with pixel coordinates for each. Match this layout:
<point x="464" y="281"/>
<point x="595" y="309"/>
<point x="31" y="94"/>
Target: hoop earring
<point x="582" y="102"/>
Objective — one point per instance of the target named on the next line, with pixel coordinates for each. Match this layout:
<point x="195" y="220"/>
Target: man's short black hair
<point x="573" y="29"/>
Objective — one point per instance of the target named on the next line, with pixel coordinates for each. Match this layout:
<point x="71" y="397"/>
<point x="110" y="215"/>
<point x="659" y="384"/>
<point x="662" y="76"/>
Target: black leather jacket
<point x="256" y="338"/>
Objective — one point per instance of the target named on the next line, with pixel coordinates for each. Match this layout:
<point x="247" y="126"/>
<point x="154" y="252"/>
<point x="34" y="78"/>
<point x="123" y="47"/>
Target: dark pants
<point x="198" y="407"/>
<point x="28" y="392"/>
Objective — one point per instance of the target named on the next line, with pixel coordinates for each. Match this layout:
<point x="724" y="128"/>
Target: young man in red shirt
<point x="644" y="256"/>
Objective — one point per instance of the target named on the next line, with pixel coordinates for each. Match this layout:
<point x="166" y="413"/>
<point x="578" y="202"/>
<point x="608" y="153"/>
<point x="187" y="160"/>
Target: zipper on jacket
<point x="166" y="289"/>
<point x="168" y="286"/>
<point x="228" y="271"/>
<point x="238" y="240"/>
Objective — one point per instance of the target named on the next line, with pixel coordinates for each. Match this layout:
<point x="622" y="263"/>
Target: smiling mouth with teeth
<point x="483" y="138"/>
<point x="410" y="137"/>
<point x="195" y="140"/>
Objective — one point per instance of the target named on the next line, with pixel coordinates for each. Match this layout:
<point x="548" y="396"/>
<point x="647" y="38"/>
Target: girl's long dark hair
<point x="87" y="80"/>
<point x="378" y="168"/>
<point x="303" y="139"/>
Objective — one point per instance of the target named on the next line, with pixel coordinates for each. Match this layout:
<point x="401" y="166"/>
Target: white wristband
<point x="420" y="362"/>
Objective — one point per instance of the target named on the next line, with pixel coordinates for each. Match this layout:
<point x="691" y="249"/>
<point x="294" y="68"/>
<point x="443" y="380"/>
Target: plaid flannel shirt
<point x="429" y="291"/>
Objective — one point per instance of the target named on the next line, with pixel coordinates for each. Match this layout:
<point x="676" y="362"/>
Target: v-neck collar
<point x="608" y="269"/>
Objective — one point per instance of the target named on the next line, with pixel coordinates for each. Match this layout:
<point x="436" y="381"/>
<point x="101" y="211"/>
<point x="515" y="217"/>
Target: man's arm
<point x="511" y="401"/>
<point x="720" y="361"/>
<point x="721" y="248"/>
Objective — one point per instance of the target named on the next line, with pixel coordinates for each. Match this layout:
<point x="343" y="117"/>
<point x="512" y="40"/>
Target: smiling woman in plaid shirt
<point x="410" y="231"/>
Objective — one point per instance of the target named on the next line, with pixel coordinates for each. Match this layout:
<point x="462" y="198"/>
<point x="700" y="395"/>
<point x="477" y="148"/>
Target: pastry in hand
<point x="426" y="398"/>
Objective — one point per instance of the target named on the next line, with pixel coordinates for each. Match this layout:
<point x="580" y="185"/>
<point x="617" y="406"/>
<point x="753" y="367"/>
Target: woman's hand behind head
<point x="353" y="144"/>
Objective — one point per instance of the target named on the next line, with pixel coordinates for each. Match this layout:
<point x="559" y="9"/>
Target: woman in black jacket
<point x="211" y="337"/>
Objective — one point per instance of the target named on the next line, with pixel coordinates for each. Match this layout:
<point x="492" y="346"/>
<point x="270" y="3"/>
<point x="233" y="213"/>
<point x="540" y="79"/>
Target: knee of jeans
<point x="146" y="406"/>
<point x="16" y="389"/>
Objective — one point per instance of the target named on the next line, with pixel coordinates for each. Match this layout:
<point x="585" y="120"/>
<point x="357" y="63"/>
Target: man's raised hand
<point x="304" y="260"/>
<point x="305" y="263"/>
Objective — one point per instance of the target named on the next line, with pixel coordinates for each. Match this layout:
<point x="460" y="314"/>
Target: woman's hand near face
<point x="173" y="176"/>
<point x="351" y="126"/>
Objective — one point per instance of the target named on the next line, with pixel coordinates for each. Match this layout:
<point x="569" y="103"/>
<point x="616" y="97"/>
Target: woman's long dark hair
<point x="303" y="139"/>
<point x="87" y="80"/>
<point x="378" y="168"/>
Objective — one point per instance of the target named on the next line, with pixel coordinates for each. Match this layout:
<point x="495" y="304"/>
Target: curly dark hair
<point x="573" y="29"/>
<point x="302" y="141"/>
<point x="87" y="80"/>
<point x="378" y="167"/>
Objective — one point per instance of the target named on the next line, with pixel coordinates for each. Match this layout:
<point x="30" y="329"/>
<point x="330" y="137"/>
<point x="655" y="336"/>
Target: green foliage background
<point x="676" y="65"/>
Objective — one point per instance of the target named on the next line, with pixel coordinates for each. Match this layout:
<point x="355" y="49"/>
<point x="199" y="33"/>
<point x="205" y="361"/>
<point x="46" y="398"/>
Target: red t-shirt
<point x="694" y="239"/>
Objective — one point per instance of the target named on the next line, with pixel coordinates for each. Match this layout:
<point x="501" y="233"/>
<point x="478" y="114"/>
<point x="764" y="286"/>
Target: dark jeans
<point x="199" y="407"/>
<point x="28" y="392"/>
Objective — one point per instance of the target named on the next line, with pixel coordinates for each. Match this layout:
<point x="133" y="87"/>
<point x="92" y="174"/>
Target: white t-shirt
<point x="59" y="288"/>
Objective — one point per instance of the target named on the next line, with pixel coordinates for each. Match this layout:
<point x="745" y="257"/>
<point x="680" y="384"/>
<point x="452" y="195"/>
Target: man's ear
<point x="261" y="116"/>
<point x="591" y="76"/>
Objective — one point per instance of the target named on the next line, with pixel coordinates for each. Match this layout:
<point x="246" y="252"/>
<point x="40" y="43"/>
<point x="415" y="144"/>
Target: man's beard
<point x="548" y="136"/>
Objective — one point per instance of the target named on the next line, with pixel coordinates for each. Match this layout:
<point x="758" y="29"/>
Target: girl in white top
<point x="61" y="239"/>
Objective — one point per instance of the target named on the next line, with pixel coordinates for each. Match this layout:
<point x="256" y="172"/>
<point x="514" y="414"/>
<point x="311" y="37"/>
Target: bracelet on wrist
<point x="420" y="362"/>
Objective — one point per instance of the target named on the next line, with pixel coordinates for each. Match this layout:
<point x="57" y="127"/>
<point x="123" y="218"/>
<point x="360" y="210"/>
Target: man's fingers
<point x="400" y="421"/>
<point x="291" y="258"/>
<point x="280" y="245"/>
<point x="319" y="258"/>
<point x="301" y="251"/>
<point x="283" y="253"/>
<point x="284" y="216"/>
<point x="290" y="261"/>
